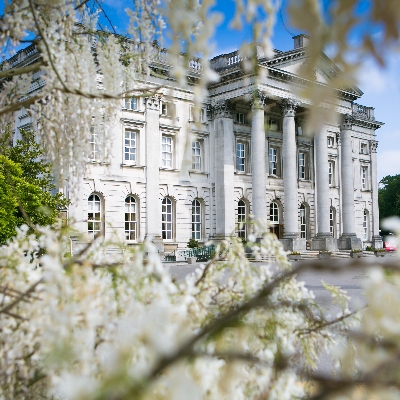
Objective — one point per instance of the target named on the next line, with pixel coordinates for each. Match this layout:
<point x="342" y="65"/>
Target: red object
<point x="389" y="246"/>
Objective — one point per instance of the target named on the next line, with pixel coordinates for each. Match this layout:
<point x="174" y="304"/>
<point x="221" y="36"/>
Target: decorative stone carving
<point x="223" y="109"/>
<point x="289" y="106"/>
<point x="153" y="102"/>
<point x="373" y="146"/>
<point x="347" y="122"/>
<point x="258" y="99"/>
<point x="338" y="139"/>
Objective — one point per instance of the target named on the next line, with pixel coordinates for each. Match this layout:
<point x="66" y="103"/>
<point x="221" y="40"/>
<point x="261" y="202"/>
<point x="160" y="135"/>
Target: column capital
<point x="347" y="122"/>
<point x="153" y="102"/>
<point x="289" y="106"/>
<point x="373" y="145"/>
<point x="222" y="109"/>
<point x="258" y="98"/>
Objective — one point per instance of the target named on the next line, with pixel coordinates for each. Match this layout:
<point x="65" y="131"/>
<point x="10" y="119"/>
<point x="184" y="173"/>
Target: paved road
<point x="348" y="274"/>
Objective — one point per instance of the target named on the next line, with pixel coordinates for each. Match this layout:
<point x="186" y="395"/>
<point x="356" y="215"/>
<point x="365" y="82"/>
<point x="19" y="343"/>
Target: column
<point x="258" y="170"/>
<point x="377" y="242"/>
<point x="153" y="157"/>
<point x="291" y="240"/>
<point x="224" y="169"/>
<point x="323" y="240"/>
<point x="348" y="240"/>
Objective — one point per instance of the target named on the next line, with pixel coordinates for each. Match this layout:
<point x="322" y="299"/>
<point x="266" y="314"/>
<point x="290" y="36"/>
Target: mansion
<point x="176" y="172"/>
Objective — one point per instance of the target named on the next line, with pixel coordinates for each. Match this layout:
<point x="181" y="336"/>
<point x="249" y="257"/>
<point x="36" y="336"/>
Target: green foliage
<point x="369" y="248"/>
<point x="26" y="183"/>
<point x="192" y="243"/>
<point x="389" y="196"/>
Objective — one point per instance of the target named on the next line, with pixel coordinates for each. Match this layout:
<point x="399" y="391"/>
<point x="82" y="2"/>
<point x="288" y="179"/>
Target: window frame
<point x="331" y="173"/>
<point x="365" y="225"/>
<point x="332" y="221"/>
<point x="240" y="118"/>
<point x="274" y="214"/>
<point x="364" y="179"/>
<point x="245" y="152"/>
<point x="364" y="148"/>
<point x="136" y="147"/>
<point x="94" y="144"/>
<point x="164" y="232"/>
<point x="164" y="152"/>
<point x="92" y="221"/>
<point x="330" y="141"/>
<point x="129" y="221"/>
<point x="200" y="162"/>
<point x="197" y="220"/>
<point x="241" y="230"/>
<point x="129" y="101"/>
<point x="303" y="221"/>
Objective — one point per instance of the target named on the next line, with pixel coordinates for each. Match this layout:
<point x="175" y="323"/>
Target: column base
<point x="377" y="242"/>
<point x="349" y="241"/>
<point x="158" y="243"/>
<point x="324" y="242"/>
<point x="292" y="242"/>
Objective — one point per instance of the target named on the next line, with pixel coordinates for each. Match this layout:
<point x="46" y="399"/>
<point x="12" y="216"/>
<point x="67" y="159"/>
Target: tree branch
<point x="22" y="70"/>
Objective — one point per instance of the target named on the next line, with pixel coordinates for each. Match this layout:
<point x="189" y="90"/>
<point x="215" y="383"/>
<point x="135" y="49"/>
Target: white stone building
<point x="177" y="174"/>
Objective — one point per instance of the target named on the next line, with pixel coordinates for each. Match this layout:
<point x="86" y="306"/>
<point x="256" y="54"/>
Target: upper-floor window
<point x="197" y="114"/>
<point x="130" y="218"/>
<point x="363" y="148"/>
<point x="167" y="219"/>
<point x="240" y="118"/>
<point x="94" y="145"/>
<point x="167" y="109"/>
<point x="130" y="146"/>
<point x="274" y="161"/>
<point x="331" y="173"/>
<point x="364" y="175"/>
<point x="331" y="141"/>
<point x="241" y="157"/>
<point x="95" y="216"/>
<point x="166" y="152"/>
<point x="273" y="124"/>
<point x="196" y="219"/>
<point x="241" y="217"/>
<point x="196" y="155"/>
<point x="302" y="166"/>
<point x="132" y="103"/>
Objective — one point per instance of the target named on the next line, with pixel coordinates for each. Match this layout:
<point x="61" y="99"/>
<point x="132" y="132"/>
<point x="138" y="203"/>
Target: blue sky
<point x="381" y="87"/>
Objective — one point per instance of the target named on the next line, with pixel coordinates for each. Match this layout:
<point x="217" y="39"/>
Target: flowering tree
<point x="91" y="326"/>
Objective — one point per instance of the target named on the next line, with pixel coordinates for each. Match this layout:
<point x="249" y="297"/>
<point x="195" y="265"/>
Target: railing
<point x="363" y="112"/>
<point x="202" y="254"/>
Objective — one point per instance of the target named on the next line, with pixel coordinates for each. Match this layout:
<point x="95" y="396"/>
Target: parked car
<point x="390" y="244"/>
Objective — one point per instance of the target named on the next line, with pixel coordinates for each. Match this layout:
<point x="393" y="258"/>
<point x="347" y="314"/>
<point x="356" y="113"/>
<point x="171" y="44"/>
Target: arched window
<point x="303" y="221"/>
<point x="365" y="225"/>
<point x="196" y="219"/>
<point x="241" y="217"/>
<point x="130" y="218"/>
<point x="94" y="215"/>
<point x="167" y="219"/>
<point x="274" y="218"/>
<point x="332" y="221"/>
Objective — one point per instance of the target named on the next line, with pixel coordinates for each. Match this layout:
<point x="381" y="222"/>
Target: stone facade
<point x="177" y="173"/>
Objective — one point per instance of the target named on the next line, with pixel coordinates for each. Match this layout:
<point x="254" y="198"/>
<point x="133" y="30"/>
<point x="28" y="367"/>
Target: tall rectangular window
<point x="130" y="146"/>
<point x="240" y="118"/>
<point x="363" y="148"/>
<point x="196" y="219"/>
<point x="196" y="155"/>
<point x="364" y="171"/>
<point x="94" y="146"/>
<point x="273" y="161"/>
<point x="330" y="172"/>
<point x="131" y="103"/>
<point x="365" y="225"/>
<point x="240" y="157"/>
<point x="166" y="156"/>
<point x="302" y="166"/>
<point x="331" y="141"/>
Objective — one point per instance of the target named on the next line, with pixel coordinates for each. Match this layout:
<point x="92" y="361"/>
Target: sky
<point x="381" y="87"/>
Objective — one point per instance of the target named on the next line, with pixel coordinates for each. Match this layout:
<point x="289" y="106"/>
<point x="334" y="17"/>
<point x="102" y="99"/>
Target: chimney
<point x="301" y="40"/>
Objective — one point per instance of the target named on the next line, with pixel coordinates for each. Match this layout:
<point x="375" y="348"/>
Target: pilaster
<point x="377" y="242"/>
<point x="153" y="157"/>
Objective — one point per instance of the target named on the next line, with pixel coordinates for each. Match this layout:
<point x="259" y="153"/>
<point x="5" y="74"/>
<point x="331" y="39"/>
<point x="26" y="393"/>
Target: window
<point x="130" y="146"/>
<point x="241" y="232"/>
<point x="166" y="155"/>
<point x="240" y="157"/>
<point x="94" y="215"/>
<point x="94" y="146"/>
<point x="332" y="221"/>
<point x="331" y="166"/>
<point x="130" y="218"/>
<point x="303" y="221"/>
<point x="196" y="219"/>
<point x="302" y="166"/>
<point x="363" y="148"/>
<point x="164" y="109"/>
<point x="331" y="141"/>
<point x="167" y="109"/>
<point x="167" y="219"/>
<point x="364" y="173"/>
<point x="240" y="118"/>
<point x="197" y="115"/>
<point x="273" y="124"/>
<point x="274" y="214"/>
<point x="131" y="103"/>
<point x="365" y="225"/>
<point x="196" y="155"/>
<point x="273" y="161"/>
